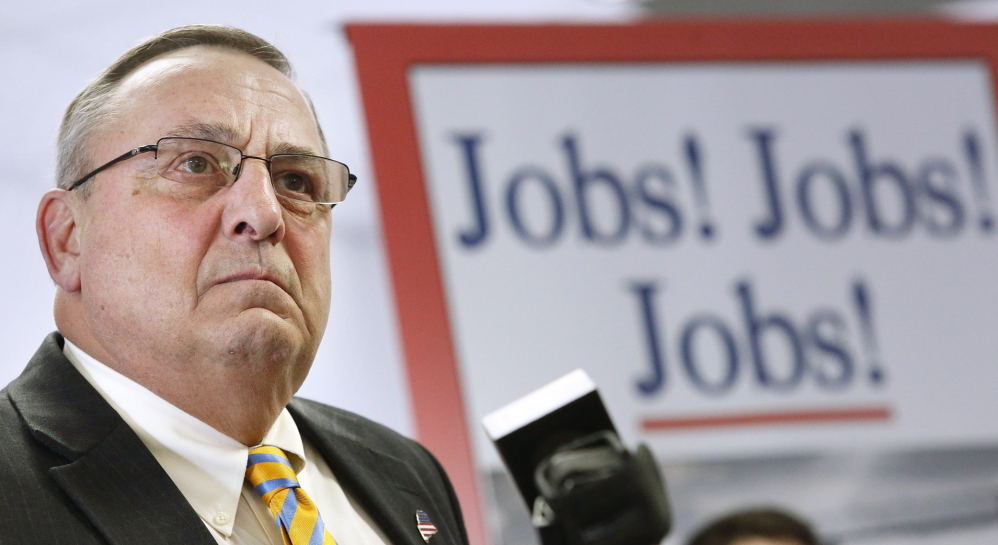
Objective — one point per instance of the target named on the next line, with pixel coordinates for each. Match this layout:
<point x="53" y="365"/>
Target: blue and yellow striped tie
<point x="272" y="476"/>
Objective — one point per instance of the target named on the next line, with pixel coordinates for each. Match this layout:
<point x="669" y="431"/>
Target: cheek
<point x="314" y="274"/>
<point x="130" y="263"/>
<point x="310" y="254"/>
<point x="143" y="256"/>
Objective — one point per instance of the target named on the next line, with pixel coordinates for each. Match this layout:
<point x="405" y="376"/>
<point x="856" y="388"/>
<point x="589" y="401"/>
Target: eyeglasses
<point x="296" y="177"/>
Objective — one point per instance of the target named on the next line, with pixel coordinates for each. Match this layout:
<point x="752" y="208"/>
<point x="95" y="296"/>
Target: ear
<point x="57" y="237"/>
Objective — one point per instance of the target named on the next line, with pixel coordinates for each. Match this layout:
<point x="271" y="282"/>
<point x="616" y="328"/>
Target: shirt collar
<point x="207" y="466"/>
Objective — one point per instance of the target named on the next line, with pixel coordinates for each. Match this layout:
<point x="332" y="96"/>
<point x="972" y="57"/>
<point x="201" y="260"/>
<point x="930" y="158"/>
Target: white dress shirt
<point x="209" y="467"/>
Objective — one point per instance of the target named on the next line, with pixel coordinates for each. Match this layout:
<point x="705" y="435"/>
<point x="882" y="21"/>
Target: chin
<point x="264" y="341"/>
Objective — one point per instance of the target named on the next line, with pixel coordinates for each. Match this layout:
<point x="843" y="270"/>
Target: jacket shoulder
<point x="364" y="454"/>
<point x="346" y="423"/>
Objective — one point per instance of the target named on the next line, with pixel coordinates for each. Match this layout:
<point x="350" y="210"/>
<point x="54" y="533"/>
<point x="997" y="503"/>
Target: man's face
<point x="186" y="284"/>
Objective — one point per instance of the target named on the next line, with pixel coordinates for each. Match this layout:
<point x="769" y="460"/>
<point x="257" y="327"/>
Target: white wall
<point x="48" y="52"/>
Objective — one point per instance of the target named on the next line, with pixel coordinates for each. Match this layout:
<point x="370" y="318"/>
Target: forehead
<point x="248" y="101"/>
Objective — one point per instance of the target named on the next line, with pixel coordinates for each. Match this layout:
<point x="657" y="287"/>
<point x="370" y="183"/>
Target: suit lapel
<point x="110" y="475"/>
<point x="383" y="485"/>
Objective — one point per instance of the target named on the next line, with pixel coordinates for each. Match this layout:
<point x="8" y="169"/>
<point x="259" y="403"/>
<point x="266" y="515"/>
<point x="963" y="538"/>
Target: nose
<point x="252" y="211"/>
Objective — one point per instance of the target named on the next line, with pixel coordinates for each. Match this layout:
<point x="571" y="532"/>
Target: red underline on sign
<point x="849" y="414"/>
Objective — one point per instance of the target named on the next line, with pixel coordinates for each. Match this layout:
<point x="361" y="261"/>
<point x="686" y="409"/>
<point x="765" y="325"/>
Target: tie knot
<point x="269" y="471"/>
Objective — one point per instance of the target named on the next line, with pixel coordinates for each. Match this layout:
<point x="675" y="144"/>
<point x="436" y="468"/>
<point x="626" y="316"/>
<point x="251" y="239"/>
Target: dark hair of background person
<point x="760" y="523"/>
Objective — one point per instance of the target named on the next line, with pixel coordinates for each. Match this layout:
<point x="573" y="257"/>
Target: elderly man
<point x="188" y="240"/>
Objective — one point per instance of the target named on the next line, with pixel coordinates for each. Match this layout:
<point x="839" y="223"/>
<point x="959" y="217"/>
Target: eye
<point x="299" y="177"/>
<point x="295" y="185"/>
<point x="294" y="182"/>
<point x="196" y="164"/>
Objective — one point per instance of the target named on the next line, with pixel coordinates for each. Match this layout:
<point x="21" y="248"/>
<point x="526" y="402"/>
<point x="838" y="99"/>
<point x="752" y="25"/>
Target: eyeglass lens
<point x="205" y="163"/>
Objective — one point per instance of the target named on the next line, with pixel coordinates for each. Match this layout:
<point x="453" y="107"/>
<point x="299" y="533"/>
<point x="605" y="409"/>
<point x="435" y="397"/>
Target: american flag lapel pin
<point x="425" y="526"/>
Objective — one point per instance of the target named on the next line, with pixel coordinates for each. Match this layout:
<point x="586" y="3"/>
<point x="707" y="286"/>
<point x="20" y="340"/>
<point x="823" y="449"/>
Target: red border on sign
<point x="386" y="52"/>
<point x="742" y="419"/>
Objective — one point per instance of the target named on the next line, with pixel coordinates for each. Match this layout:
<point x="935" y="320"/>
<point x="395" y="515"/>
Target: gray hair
<point x="92" y="108"/>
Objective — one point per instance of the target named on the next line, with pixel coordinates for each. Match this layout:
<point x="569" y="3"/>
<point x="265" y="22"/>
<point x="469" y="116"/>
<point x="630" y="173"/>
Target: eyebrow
<point x="206" y="131"/>
<point x="286" y="148"/>
<point x="226" y="134"/>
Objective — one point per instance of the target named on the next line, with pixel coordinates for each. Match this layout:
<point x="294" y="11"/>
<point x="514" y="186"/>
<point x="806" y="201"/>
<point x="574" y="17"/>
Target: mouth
<point x="251" y="276"/>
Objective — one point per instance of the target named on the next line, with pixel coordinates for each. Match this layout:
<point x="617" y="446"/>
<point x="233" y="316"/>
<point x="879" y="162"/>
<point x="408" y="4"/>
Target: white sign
<point x="746" y="258"/>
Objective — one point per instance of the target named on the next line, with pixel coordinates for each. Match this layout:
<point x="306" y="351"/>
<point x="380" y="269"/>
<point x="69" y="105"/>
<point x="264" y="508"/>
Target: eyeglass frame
<point x="351" y="178"/>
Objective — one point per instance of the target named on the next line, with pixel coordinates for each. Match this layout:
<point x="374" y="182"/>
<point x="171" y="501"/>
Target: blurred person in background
<point x="762" y="526"/>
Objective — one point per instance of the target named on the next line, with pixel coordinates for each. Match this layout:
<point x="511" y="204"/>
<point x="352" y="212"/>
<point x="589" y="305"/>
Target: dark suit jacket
<point x="73" y="472"/>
